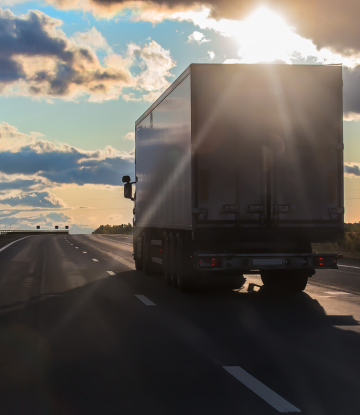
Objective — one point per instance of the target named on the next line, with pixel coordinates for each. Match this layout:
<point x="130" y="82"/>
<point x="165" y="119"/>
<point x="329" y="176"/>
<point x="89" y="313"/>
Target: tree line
<point x="115" y="229"/>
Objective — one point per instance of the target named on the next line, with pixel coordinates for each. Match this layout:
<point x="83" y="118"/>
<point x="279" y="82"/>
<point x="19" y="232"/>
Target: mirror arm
<point x="132" y="199"/>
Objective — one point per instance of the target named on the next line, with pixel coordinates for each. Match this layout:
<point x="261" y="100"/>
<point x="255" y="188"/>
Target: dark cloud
<point x="351" y="78"/>
<point x="29" y="37"/>
<point x="328" y="22"/>
<point x="74" y="67"/>
<point x="10" y="70"/>
<point x="19" y="184"/>
<point x="34" y="199"/>
<point x="65" y="167"/>
<point x="352" y="169"/>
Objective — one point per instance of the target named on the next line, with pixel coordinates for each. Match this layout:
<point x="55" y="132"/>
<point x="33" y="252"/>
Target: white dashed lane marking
<point x="348" y="266"/>
<point x="145" y="300"/>
<point x="95" y="260"/>
<point x="336" y="293"/>
<point x="111" y="273"/>
<point x="269" y="396"/>
<point x="71" y="244"/>
<point x="76" y="247"/>
<point x="84" y="252"/>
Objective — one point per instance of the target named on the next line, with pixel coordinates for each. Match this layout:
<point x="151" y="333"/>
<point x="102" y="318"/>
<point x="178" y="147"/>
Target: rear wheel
<point x="166" y="258"/>
<point x="147" y="264"/>
<point x="172" y="264"/>
<point x="183" y="263"/>
<point x="138" y="264"/>
<point x="289" y="281"/>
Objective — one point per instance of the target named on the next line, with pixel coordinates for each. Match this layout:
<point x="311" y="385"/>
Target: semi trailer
<point x="238" y="170"/>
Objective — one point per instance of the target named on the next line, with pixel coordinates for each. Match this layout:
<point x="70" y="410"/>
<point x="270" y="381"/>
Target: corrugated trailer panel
<point x="268" y="142"/>
<point x="163" y="163"/>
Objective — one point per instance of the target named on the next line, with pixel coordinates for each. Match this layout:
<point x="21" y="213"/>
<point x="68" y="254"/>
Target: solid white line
<point x="95" y="260"/>
<point x="111" y="273"/>
<point x="348" y="266"/>
<point x="272" y="398"/>
<point x="4" y="247"/>
<point x="144" y="299"/>
<point x="84" y="252"/>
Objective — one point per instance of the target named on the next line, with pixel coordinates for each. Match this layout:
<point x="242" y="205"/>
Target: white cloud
<point x="68" y="68"/>
<point x="92" y="39"/>
<point x="197" y="37"/>
<point x="129" y="136"/>
<point x="211" y="54"/>
<point x="32" y="169"/>
<point x="351" y="116"/>
<point x="156" y="63"/>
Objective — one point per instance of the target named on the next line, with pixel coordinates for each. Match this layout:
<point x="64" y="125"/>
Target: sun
<point x="264" y="37"/>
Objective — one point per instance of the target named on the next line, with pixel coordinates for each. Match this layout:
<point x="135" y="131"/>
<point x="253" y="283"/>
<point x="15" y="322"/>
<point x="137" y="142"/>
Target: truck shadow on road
<point x="98" y="349"/>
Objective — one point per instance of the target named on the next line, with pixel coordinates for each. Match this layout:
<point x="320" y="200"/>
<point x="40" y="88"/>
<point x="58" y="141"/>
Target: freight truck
<point x="238" y="170"/>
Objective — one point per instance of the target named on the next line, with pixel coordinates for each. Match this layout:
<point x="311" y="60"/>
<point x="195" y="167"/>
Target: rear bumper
<point x="253" y="263"/>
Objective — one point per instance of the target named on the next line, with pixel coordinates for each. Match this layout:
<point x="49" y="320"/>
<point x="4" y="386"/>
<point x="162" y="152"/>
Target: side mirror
<point x="126" y="179"/>
<point x="128" y="190"/>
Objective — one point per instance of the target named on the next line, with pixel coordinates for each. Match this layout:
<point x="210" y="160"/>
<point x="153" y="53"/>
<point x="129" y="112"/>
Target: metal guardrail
<point x="32" y="231"/>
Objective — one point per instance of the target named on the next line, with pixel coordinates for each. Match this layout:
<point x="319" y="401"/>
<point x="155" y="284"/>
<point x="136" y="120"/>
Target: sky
<point x="76" y="74"/>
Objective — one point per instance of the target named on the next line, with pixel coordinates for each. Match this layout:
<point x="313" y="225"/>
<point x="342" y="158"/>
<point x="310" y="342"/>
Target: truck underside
<point x="187" y="261"/>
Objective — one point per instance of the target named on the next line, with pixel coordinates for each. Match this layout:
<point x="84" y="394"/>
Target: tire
<point x="166" y="258"/>
<point x="183" y="264"/>
<point x="291" y="282"/>
<point x="138" y="262"/>
<point x="138" y="265"/>
<point x="147" y="265"/>
<point x="172" y="264"/>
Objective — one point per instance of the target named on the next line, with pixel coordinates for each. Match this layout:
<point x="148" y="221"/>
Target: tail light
<point x="210" y="262"/>
<point x="215" y="262"/>
<point x="325" y="261"/>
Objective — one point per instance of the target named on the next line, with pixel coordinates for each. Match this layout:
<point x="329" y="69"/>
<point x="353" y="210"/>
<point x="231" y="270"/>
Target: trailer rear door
<point x="268" y="145"/>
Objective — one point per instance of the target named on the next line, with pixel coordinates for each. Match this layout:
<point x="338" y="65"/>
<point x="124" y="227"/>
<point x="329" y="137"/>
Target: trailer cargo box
<point x="246" y="158"/>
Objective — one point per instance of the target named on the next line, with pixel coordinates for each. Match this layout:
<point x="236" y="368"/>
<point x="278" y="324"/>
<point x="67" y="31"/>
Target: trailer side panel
<point x="163" y="163"/>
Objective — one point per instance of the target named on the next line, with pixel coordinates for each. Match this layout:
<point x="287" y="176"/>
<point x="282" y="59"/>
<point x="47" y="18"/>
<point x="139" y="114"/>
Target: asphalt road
<point x="82" y="332"/>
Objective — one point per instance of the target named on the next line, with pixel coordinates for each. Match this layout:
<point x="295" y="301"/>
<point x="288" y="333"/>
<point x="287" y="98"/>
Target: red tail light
<point x="210" y="262"/>
<point x="215" y="262"/>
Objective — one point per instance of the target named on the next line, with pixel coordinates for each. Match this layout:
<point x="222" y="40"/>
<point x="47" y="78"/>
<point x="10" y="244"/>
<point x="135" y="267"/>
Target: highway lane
<point x="78" y="336"/>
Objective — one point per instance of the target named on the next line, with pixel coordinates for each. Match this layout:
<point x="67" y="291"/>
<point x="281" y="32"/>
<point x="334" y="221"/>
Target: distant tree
<point x="349" y="246"/>
<point x="115" y="229"/>
<point x="352" y="227"/>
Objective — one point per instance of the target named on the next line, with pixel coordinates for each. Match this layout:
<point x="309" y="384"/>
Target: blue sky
<point x="74" y="77"/>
